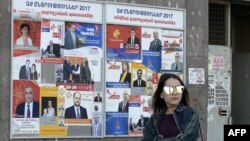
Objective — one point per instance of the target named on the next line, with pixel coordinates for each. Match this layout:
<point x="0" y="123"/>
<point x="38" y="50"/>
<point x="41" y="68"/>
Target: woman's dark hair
<point x="158" y="103"/>
<point x="25" y="25"/>
<point x="34" y="66"/>
<point x="127" y="64"/>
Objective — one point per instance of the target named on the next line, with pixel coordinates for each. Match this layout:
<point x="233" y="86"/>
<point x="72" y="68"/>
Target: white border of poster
<point x="145" y="16"/>
<point x="58" y="10"/>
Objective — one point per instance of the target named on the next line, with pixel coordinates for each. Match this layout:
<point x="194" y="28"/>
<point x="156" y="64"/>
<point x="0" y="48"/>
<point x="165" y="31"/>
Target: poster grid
<point x="137" y="51"/>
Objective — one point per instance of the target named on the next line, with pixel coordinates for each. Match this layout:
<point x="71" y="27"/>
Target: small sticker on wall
<point x="196" y="76"/>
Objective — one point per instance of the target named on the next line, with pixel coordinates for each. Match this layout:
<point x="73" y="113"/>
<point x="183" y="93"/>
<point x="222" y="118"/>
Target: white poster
<point x="25" y="126"/>
<point x="196" y="76"/>
<point x="144" y="16"/>
<point x="58" y="10"/>
<point x="148" y="36"/>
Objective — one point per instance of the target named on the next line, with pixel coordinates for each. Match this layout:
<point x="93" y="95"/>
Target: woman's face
<point x="33" y="67"/>
<point x="124" y="67"/>
<point x="49" y="103"/>
<point x="25" y="31"/>
<point x="173" y="99"/>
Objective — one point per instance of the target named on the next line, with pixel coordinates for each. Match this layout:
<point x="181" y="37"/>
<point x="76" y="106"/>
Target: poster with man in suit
<point x="53" y="50"/>
<point x="155" y="45"/>
<point x="96" y="127"/>
<point x="139" y="82"/>
<point x="177" y="65"/>
<point x="29" y="108"/>
<point x="25" y="71"/>
<point x="76" y="111"/>
<point x="123" y="105"/>
<point x="71" y="38"/>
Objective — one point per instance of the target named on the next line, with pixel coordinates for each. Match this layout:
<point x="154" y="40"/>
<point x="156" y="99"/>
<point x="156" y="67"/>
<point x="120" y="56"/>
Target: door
<point x="219" y="91"/>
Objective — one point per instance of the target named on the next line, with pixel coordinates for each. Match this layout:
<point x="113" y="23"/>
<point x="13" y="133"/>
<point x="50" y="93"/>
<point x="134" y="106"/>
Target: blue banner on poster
<point x="123" y="54"/>
<point x="116" y="123"/>
<point x="152" y="60"/>
<point x="134" y="104"/>
<point x="88" y="34"/>
<point x="117" y="85"/>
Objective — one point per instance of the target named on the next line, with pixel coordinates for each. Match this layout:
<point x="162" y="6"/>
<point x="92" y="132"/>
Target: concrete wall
<point x="197" y="54"/>
<point x="196" y="43"/>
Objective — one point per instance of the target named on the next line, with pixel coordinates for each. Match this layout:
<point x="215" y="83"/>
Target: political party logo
<point x="116" y="33"/>
<point x="146" y="35"/>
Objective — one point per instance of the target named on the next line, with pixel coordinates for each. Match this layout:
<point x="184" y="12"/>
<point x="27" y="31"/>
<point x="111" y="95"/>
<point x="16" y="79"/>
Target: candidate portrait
<point x="71" y="38"/>
<point x="29" y="108"/>
<point x="139" y="82"/>
<point x="76" y="111"/>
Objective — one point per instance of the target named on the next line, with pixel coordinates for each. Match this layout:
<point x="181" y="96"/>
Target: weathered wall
<point x="197" y="54"/>
<point x="196" y="43"/>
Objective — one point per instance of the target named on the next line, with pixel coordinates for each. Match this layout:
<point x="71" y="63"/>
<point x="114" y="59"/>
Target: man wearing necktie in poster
<point x="76" y="111"/>
<point x="177" y="65"/>
<point x="155" y="45"/>
<point x="139" y="82"/>
<point x="29" y="108"/>
<point x="123" y="105"/>
<point x="132" y="40"/>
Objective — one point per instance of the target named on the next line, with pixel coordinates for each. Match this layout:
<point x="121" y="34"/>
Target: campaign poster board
<point x="142" y="43"/>
<point x="45" y="53"/>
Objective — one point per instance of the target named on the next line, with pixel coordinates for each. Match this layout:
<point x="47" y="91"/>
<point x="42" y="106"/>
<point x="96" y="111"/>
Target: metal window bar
<point x="218" y="24"/>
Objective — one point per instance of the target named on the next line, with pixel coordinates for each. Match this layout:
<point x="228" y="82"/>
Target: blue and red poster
<point x="123" y="42"/>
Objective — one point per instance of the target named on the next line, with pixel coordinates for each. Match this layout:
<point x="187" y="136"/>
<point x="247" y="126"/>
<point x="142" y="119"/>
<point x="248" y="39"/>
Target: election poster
<point x="50" y="123"/>
<point x="151" y="39"/>
<point x="139" y="79"/>
<point x="26" y="68"/>
<point x="117" y="116"/>
<point x="52" y="39"/>
<point x="140" y="105"/>
<point x="172" y="61"/>
<point x="172" y="50"/>
<point x="117" y="94"/>
<point x="117" y="123"/>
<point x="83" y="39"/>
<point x="152" y="60"/>
<point x="25" y="112"/>
<point x="26" y="37"/>
<point x="123" y="42"/>
<point x="118" y="71"/>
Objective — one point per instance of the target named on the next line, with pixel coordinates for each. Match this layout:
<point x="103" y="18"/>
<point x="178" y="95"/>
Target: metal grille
<point x="218" y="24"/>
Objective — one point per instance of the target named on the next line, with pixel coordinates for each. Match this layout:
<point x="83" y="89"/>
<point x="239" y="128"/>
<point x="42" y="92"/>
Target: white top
<point x="49" y="112"/>
<point x="19" y="41"/>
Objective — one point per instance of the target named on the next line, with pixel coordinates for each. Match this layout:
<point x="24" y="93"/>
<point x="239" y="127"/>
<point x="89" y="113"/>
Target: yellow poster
<point x="51" y="123"/>
<point x="139" y="79"/>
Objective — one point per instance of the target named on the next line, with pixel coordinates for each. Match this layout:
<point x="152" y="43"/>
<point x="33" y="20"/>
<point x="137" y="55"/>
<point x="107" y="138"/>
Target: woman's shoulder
<point x="190" y="111"/>
<point x="29" y="38"/>
<point x="19" y="40"/>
